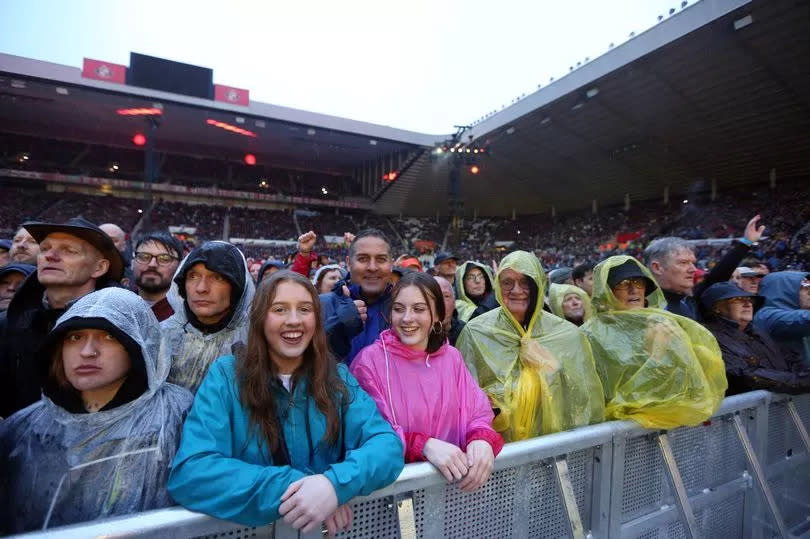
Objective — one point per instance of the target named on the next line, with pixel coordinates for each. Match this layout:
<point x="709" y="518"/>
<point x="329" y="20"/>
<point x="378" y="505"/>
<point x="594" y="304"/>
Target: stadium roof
<point x="43" y="99"/>
<point x="720" y="90"/>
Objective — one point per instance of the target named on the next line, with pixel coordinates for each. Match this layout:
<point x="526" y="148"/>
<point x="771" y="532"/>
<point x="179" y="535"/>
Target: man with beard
<point x="24" y="248"/>
<point x="157" y="256"/>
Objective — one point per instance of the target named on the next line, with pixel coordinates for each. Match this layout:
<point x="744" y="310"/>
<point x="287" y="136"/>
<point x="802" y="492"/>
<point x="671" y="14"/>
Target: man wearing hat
<point x="747" y="279"/>
<point x="11" y="278"/>
<point x="753" y="360"/>
<point x="5" y="257"/>
<point x="446" y="264"/>
<point x="75" y="258"/>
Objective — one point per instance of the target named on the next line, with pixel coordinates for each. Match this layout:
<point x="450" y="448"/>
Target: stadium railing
<point x="744" y="473"/>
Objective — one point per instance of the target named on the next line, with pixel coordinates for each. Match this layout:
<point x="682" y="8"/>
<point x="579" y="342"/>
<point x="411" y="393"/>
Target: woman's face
<point x="94" y="359"/>
<point x="573" y="308"/>
<point x="631" y="292"/>
<point x="328" y="281"/>
<point x="412" y="317"/>
<point x="741" y="310"/>
<point x="475" y="283"/>
<point x="289" y="325"/>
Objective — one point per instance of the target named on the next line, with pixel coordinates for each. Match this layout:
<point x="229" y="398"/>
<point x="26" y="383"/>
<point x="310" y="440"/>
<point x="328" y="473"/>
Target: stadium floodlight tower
<point x="454" y="199"/>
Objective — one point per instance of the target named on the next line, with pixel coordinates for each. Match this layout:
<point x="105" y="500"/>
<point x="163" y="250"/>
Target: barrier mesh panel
<point x="486" y="512"/>
<point x="783" y="438"/>
<point x="241" y="533"/>
<point x="643" y="484"/>
<point x="378" y="518"/>
<point x="708" y="456"/>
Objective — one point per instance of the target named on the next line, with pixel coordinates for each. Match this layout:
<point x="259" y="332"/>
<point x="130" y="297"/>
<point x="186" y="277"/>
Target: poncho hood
<point x="603" y="297"/>
<point x="527" y="264"/>
<point x="465" y="305"/>
<point x="556" y="296"/>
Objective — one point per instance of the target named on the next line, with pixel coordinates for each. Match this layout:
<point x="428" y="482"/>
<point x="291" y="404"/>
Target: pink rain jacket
<point x="425" y="395"/>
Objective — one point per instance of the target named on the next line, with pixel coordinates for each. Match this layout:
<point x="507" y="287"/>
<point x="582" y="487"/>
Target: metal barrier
<point x="745" y="473"/>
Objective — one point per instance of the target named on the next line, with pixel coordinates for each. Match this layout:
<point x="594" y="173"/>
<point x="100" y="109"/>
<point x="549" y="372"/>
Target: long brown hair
<point x="432" y="293"/>
<point x="256" y="372"/>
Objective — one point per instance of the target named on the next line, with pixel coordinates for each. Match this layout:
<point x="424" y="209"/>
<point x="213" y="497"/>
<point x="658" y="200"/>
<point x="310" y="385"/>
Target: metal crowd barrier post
<point x="742" y="474"/>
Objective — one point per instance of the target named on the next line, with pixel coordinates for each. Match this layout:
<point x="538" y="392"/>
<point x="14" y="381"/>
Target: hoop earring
<point x="437" y="328"/>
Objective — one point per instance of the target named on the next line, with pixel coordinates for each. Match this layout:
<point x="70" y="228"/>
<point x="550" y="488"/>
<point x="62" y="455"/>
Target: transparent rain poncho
<point x="190" y="350"/>
<point x="465" y="306"/>
<point x="60" y="468"/>
<point x="657" y="368"/>
<point x="540" y="379"/>
<point x="556" y="296"/>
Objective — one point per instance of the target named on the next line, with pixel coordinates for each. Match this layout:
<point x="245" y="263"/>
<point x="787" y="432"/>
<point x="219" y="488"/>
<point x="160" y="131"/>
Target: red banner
<point x="627" y="236"/>
<point x="106" y="71"/>
<point x="234" y="96"/>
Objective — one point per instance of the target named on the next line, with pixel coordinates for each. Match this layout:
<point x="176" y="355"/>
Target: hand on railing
<point x="447" y="458"/>
<point x="308" y="502"/>
<point x="339" y="521"/>
<point x="480" y="460"/>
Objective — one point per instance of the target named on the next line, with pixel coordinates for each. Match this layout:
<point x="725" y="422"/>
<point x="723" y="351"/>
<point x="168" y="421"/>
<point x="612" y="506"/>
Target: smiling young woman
<point x="280" y="430"/>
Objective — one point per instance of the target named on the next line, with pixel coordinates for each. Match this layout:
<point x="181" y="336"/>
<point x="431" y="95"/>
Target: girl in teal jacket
<point x="281" y="430"/>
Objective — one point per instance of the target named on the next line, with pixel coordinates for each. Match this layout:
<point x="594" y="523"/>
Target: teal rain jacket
<point x="222" y="470"/>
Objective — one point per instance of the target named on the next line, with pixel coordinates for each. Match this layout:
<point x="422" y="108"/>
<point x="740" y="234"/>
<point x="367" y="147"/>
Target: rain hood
<point x="557" y="293"/>
<point x="465" y="306"/>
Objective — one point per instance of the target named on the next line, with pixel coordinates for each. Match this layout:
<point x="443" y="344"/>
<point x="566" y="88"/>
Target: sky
<point x="419" y="65"/>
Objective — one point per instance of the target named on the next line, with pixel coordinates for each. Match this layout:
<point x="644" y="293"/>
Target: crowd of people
<point x="140" y="373"/>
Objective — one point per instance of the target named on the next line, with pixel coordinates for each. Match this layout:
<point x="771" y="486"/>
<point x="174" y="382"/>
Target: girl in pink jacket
<point x="423" y="388"/>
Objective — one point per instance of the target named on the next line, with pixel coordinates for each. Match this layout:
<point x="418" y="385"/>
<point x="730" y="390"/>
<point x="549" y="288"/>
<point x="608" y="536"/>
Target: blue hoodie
<point x="781" y="316"/>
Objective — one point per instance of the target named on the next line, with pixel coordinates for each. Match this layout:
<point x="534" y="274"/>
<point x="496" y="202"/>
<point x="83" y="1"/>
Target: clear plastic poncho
<point x="657" y="368"/>
<point x="541" y="379"/>
<point x="556" y="296"/>
<point x="60" y="468"/>
<point x="465" y="306"/>
<point x="189" y="351"/>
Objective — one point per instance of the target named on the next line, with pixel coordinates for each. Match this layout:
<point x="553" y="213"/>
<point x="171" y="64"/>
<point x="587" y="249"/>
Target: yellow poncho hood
<point x="557" y="293"/>
<point x="465" y="306"/>
<point x="540" y="379"/>
<point x="657" y="368"/>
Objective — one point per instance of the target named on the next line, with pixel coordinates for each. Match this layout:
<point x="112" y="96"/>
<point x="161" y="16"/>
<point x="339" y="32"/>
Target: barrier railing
<point x="745" y="473"/>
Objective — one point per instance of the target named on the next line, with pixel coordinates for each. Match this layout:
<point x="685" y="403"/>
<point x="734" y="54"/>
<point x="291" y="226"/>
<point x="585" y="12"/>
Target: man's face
<point x="475" y="283"/>
<point x="749" y="284"/>
<point x="448" y="297"/>
<point x="804" y="294"/>
<point x="65" y="260"/>
<point x="208" y="294"/>
<point x="24" y="248"/>
<point x="447" y="269"/>
<point x="516" y="290"/>
<point x="676" y="272"/>
<point x="371" y="265"/>
<point x="254" y="270"/>
<point x="741" y="310"/>
<point x="156" y="275"/>
<point x="586" y="283"/>
<point x="631" y="293"/>
<point x="9" y="283"/>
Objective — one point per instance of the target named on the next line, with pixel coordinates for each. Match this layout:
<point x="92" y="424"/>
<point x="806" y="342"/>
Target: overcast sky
<point x="419" y="65"/>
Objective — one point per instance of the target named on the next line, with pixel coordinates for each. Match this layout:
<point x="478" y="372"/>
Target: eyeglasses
<point x="628" y="283"/>
<point x="474" y="277"/>
<point x="163" y="259"/>
<point x="509" y="284"/>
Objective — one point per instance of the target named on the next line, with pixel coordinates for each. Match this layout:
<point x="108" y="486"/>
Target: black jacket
<point x="22" y="333"/>
<point x="456" y="325"/>
<point x="488" y="303"/>
<point x="754" y="361"/>
<point x="689" y="306"/>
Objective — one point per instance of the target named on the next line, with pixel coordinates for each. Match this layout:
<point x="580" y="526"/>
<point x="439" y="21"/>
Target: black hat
<point x="87" y="231"/>
<point x="443" y="256"/>
<point x="726" y="290"/>
<point x="629" y="270"/>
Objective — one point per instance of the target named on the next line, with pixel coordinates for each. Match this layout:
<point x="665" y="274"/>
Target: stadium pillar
<point x="627" y="202"/>
<point x="454" y="200"/>
<point x="714" y="189"/>
<point x="666" y="195"/>
<point x="553" y="212"/>
<point x="594" y="207"/>
<point x="772" y="178"/>
<point x="149" y="169"/>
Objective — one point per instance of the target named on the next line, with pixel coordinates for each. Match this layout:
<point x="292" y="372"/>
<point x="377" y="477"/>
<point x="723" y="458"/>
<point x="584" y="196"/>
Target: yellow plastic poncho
<point x="657" y="368"/>
<point x="542" y="379"/>
<point x="464" y="305"/>
<point x="557" y="293"/>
